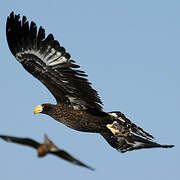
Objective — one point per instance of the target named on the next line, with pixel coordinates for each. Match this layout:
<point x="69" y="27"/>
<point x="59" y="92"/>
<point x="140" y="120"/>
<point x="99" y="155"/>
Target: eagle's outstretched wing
<point x="124" y="143"/>
<point x="124" y="121"/>
<point x="125" y="136"/>
<point x="49" y="62"/>
<point x="66" y="156"/>
<point x="22" y="141"/>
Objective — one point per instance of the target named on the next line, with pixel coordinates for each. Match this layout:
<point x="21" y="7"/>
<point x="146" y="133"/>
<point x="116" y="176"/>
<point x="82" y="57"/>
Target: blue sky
<point x="130" y="50"/>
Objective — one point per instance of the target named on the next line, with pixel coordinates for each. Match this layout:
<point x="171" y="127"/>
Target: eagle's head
<point x="43" y="108"/>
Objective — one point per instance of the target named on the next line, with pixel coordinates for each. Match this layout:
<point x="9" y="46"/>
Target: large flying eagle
<point x="48" y="147"/>
<point x="78" y="104"/>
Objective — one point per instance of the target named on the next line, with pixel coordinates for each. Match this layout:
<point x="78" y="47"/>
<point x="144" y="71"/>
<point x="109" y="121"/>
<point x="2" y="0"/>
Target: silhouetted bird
<point x="48" y="147"/>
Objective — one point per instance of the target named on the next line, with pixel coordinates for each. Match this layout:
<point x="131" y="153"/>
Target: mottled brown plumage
<point x="48" y="147"/>
<point x="77" y="119"/>
<point x="78" y="104"/>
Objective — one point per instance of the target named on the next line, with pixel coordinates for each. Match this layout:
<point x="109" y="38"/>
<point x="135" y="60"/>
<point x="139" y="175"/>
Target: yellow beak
<point x="38" y="109"/>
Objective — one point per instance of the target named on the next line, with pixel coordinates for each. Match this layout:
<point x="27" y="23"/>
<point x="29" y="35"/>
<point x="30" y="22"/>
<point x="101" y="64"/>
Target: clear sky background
<point x="131" y="52"/>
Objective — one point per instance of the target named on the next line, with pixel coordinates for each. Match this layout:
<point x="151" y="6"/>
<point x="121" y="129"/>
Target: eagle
<point x="78" y="105"/>
<point x="48" y="147"/>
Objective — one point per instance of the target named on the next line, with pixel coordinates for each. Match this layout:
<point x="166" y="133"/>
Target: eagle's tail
<point x="130" y="142"/>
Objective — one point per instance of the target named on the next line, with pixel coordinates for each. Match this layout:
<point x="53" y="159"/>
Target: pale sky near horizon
<point x="130" y="51"/>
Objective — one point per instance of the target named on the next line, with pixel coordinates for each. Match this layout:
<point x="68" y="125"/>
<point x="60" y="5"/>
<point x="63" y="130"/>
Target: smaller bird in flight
<point x="48" y="147"/>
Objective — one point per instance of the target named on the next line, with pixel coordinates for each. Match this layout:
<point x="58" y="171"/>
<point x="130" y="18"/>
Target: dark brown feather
<point x="66" y="156"/>
<point x="22" y="141"/>
<point x="49" y="62"/>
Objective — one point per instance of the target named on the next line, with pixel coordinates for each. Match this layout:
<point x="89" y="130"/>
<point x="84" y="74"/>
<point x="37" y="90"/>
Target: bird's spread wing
<point x="22" y="141"/>
<point x="124" y="121"/>
<point x="124" y="135"/>
<point x="66" y="156"/>
<point x="124" y="143"/>
<point x="45" y="59"/>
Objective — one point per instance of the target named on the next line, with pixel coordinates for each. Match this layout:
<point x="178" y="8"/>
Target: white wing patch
<point x="56" y="61"/>
<point x="116" y="116"/>
<point x="134" y="144"/>
<point x="137" y="144"/>
<point x="23" y="52"/>
<point x="50" y="52"/>
<point x="49" y="57"/>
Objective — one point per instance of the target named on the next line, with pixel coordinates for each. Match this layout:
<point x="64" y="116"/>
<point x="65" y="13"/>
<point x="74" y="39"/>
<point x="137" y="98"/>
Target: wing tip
<point x="167" y="146"/>
<point x="5" y="138"/>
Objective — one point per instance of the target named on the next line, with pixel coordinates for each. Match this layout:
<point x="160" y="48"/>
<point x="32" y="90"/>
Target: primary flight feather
<point x="78" y="104"/>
